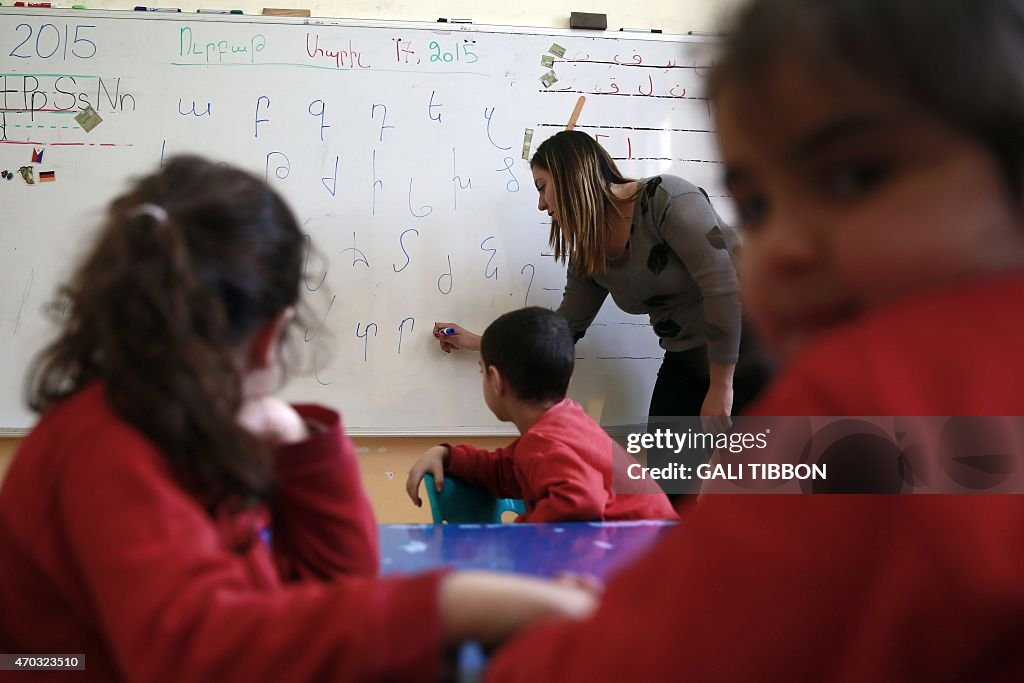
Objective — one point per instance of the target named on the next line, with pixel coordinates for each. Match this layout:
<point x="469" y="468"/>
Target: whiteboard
<point x="399" y="145"/>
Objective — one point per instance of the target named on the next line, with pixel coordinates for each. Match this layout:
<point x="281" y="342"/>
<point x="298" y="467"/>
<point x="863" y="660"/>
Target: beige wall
<point x="672" y="16"/>
<point x="385" y="462"/>
<point x="7" y="447"/>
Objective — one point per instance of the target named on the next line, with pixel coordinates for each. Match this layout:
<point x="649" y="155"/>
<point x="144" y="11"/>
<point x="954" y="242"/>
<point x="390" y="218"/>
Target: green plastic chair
<point x="460" y="503"/>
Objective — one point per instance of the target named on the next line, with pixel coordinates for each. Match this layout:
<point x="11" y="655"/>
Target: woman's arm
<point x="581" y="302"/>
<point x="694" y="232"/>
<point x="718" y="402"/>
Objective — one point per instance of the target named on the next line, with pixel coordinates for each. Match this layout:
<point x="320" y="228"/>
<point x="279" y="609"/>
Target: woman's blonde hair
<point x="583" y="173"/>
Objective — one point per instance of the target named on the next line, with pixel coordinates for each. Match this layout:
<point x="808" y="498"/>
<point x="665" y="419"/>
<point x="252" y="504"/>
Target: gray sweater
<point x="678" y="267"/>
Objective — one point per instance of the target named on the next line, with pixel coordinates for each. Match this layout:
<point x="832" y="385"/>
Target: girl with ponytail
<point x="132" y="519"/>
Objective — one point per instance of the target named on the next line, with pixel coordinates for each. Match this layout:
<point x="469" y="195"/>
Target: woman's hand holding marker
<point x="452" y="336"/>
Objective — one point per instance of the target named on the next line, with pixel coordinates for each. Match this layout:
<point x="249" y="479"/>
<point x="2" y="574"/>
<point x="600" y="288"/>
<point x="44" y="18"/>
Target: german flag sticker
<point x="47" y="176"/>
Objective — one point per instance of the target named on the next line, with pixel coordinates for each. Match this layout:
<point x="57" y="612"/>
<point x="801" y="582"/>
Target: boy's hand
<point x="462" y="339"/>
<point x="433" y="462"/>
<point x="273" y="421"/>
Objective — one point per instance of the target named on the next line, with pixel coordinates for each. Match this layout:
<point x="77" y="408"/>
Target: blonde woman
<point x="659" y="248"/>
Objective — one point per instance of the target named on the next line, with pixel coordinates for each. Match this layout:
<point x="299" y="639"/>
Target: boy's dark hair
<point x="961" y="61"/>
<point x="190" y="262"/>
<point x="533" y="350"/>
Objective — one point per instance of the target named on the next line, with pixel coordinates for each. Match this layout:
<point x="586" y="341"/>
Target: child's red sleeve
<point x="323" y="523"/>
<point x="172" y="603"/>
<point x="493" y="470"/>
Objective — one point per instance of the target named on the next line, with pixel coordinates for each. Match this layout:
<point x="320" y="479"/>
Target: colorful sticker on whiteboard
<point x="88" y="118"/>
<point x="47" y="176"/>
<point x="547" y="60"/>
<point x="548" y="79"/>
<point x="557" y="50"/>
<point x="37" y="156"/>
<point x="27" y="175"/>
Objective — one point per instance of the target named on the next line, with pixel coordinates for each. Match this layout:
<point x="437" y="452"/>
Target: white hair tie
<point x="157" y="213"/>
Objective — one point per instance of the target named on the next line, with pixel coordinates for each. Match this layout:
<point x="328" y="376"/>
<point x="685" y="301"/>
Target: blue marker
<point x="446" y="331"/>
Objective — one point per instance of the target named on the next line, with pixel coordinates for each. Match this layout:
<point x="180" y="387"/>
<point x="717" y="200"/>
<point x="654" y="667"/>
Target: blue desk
<point x="592" y="548"/>
<point x="539" y="549"/>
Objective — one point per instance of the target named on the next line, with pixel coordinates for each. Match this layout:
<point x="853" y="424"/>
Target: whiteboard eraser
<point x="588" y="20"/>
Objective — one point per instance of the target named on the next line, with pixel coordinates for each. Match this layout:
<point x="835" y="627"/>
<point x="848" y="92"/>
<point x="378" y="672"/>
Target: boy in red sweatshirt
<point x="562" y="464"/>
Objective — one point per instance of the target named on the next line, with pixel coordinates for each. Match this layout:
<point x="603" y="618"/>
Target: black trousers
<point x="684" y="378"/>
<point x="682" y="385"/>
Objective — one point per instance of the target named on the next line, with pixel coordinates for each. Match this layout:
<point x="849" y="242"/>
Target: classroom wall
<point x="672" y="16"/>
<point x="7" y="447"/>
<point x="386" y="461"/>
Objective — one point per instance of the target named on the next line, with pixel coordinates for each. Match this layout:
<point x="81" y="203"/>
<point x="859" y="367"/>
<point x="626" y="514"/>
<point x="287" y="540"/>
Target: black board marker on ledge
<point x="641" y="30"/>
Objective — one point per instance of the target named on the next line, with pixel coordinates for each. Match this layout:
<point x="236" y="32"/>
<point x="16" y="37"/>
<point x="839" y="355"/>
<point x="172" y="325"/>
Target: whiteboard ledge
<point x="427" y="25"/>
